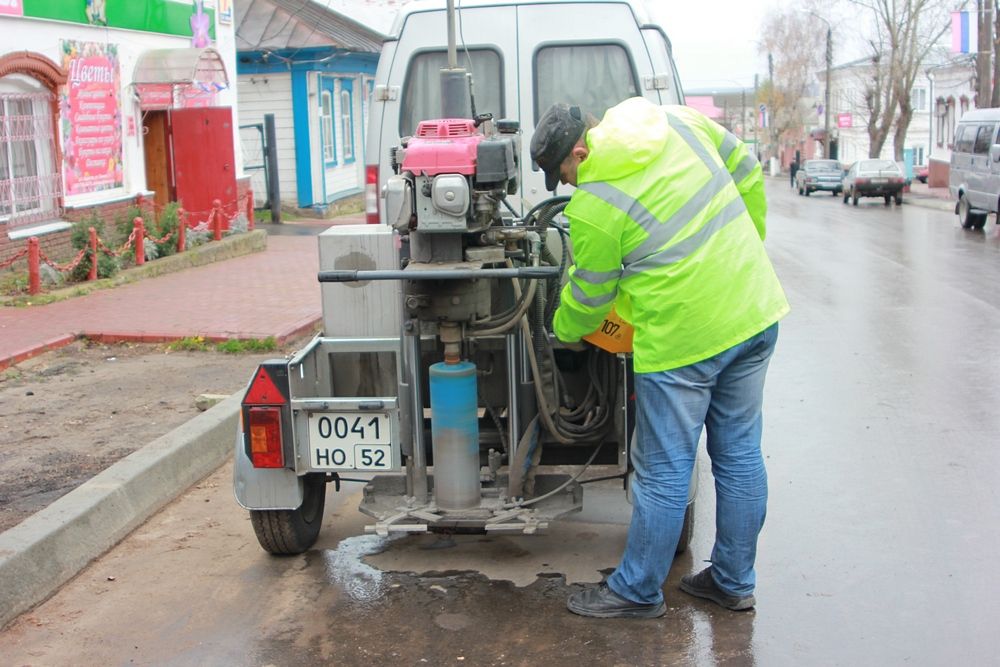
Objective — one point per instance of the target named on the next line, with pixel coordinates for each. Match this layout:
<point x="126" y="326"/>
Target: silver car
<point x="818" y="175"/>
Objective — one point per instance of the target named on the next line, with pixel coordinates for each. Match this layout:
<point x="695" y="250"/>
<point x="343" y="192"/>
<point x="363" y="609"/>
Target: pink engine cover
<point x="443" y="146"/>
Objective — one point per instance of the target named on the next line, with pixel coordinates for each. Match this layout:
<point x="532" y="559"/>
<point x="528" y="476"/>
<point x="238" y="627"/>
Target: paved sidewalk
<point x="270" y="293"/>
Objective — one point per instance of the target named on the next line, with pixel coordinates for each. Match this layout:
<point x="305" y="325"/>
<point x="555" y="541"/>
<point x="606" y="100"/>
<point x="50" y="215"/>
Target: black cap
<point x="557" y="132"/>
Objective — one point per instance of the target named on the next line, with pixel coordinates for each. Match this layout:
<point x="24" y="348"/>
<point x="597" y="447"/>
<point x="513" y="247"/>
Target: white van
<point x="524" y="55"/>
<point x="974" y="177"/>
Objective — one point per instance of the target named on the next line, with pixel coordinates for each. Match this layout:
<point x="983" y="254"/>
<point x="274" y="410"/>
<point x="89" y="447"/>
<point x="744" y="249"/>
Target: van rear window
<point x="964" y="137"/>
<point x="594" y="77"/>
<point x="984" y="137"/>
<point x="422" y="88"/>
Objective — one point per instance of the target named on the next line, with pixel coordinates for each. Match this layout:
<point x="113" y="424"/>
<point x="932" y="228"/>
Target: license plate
<point x="880" y="181"/>
<point x="350" y="441"/>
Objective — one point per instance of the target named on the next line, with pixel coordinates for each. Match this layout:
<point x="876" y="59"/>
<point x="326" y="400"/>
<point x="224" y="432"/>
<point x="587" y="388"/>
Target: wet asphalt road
<point x="879" y="549"/>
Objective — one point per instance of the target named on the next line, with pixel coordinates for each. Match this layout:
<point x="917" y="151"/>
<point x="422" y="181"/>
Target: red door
<point x="204" y="162"/>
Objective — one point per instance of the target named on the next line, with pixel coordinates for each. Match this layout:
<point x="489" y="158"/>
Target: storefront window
<point x="29" y="181"/>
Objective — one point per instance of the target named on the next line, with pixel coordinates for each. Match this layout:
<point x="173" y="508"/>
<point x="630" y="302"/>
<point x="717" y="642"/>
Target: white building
<point x="85" y="91"/>
<point x="952" y="93"/>
<point x="849" y="115"/>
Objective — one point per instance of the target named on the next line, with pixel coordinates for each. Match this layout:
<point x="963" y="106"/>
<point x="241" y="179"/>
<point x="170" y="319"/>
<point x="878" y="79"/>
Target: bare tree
<point x="789" y="38"/>
<point x="906" y="32"/>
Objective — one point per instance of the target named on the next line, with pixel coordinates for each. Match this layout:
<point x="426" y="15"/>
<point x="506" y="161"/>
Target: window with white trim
<point x="326" y="126"/>
<point x="30" y="186"/>
<point x="346" y="125"/>
<point x="918" y="99"/>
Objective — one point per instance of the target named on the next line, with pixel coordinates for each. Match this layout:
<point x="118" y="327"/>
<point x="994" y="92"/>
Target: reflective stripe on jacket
<point x="667" y="223"/>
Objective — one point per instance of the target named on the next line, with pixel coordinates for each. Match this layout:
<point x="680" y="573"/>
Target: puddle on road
<point x="345" y="567"/>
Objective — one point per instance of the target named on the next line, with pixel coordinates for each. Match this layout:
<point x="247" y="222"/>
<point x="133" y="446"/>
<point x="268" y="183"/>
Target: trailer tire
<point x="290" y="532"/>
<point x="687" y="528"/>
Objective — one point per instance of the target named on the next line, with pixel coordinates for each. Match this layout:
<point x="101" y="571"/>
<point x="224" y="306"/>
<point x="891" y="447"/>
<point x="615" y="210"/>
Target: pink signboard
<point x="11" y="8"/>
<point x="196" y="96"/>
<point x="845" y="120"/>
<point x="153" y="96"/>
<point x="90" y="115"/>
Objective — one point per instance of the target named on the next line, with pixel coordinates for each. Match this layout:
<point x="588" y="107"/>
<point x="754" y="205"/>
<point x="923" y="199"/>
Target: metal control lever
<point x="536" y="272"/>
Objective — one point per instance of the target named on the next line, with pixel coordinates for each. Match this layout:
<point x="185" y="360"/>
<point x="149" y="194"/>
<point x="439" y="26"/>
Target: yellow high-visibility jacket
<point x="667" y="224"/>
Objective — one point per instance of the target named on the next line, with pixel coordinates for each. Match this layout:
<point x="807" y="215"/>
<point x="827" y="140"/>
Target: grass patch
<point x="242" y="346"/>
<point x="231" y="346"/>
<point x="189" y="344"/>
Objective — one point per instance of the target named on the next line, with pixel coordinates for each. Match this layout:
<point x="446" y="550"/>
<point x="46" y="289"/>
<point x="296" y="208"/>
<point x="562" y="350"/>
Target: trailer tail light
<point x="265" y="438"/>
<point x="371" y="194"/>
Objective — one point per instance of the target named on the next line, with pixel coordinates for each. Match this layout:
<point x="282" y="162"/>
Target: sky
<point x="714" y="44"/>
<point x="716" y="49"/>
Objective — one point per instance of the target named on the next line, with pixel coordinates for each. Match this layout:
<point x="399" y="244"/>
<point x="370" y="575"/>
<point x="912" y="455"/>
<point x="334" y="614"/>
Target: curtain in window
<point x="422" y="90"/>
<point x="29" y="180"/>
<point x="593" y="77"/>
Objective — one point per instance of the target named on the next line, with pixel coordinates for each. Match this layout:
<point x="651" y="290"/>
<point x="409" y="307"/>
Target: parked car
<point x="874" y="178"/>
<point x="818" y="175"/>
<point x="974" y="175"/>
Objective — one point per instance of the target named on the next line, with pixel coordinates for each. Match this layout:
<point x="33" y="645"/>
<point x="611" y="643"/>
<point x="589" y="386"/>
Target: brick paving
<point x="269" y="293"/>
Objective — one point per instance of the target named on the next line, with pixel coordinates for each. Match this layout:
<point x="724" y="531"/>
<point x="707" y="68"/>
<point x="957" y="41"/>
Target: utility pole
<point x="826" y="102"/>
<point x="743" y="114"/>
<point x="756" y="117"/>
<point x="771" y="138"/>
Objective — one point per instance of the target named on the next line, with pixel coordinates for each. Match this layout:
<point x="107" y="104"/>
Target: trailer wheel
<point x="687" y="528"/>
<point x="289" y="532"/>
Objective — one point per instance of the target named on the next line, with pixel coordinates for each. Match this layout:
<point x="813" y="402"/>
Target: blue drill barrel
<point x="455" y="435"/>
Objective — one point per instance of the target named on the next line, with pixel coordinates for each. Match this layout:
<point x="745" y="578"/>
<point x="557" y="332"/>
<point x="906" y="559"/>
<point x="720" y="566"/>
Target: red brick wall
<point x="57" y="246"/>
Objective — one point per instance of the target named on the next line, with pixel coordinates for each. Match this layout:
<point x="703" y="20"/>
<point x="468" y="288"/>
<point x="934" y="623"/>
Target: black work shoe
<point x="602" y="602"/>
<point x="702" y="585"/>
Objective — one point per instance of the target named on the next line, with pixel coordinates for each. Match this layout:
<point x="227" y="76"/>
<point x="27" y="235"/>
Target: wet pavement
<point x="879" y="546"/>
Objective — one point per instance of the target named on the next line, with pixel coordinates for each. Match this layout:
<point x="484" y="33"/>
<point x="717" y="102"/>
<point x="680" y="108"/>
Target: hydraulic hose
<point x="518" y="313"/>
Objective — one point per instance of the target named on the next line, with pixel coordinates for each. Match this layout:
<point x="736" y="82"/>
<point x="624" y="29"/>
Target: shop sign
<point x="11" y="8"/>
<point x="845" y="120"/>
<point x="90" y="116"/>
<point x="155" y="96"/>
<point x="198" y="96"/>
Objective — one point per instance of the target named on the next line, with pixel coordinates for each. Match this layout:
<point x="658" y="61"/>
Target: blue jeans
<point x="724" y="393"/>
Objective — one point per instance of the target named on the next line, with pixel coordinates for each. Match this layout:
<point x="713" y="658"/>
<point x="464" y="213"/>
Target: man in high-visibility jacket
<point x="667" y="224"/>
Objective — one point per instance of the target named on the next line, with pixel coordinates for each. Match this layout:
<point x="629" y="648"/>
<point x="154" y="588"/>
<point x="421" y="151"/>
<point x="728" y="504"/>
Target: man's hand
<point x="578" y="346"/>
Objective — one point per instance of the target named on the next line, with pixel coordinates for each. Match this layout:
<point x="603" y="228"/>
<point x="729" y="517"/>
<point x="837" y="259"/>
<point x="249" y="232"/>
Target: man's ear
<point x="580" y="152"/>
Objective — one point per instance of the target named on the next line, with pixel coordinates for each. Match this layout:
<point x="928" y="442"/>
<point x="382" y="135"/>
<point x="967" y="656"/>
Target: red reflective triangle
<point x="263" y="391"/>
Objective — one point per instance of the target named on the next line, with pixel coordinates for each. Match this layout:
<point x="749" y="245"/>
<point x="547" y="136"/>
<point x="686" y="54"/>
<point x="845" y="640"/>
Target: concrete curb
<point x="930" y="202"/>
<point x="41" y="553"/>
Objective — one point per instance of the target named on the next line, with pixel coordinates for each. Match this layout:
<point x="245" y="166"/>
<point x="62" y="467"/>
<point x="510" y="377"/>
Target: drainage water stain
<point x="344" y="566"/>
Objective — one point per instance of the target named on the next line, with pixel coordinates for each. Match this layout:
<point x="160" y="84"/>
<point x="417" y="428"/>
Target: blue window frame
<point x="347" y="119"/>
<point x="327" y="130"/>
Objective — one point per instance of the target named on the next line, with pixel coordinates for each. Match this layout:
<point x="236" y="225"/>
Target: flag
<point x="964" y="32"/>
